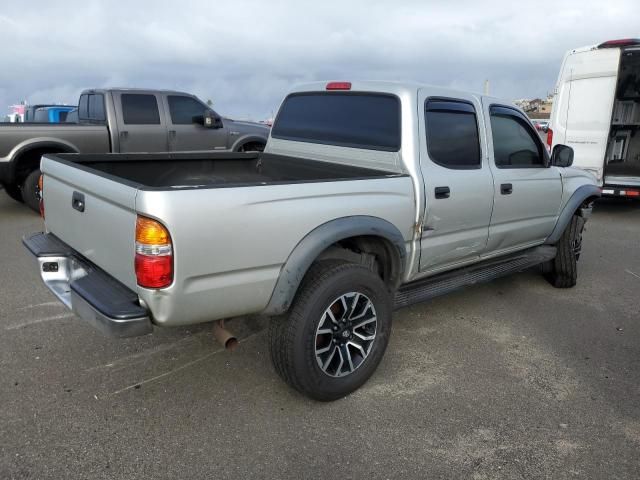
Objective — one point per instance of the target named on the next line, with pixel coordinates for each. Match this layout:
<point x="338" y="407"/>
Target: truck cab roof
<point x="397" y="88"/>
<point x="134" y="90"/>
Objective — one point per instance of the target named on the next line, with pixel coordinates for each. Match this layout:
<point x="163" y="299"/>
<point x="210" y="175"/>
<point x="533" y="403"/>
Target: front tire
<point x="336" y="331"/>
<point x="30" y="192"/>
<point x="562" y="271"/>
<point x="251" y="147"/>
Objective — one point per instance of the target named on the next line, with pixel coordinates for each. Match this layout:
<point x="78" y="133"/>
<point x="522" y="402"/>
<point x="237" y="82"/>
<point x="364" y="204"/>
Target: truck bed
<point x="152" y="171"/>
<point x="237" y="238"/>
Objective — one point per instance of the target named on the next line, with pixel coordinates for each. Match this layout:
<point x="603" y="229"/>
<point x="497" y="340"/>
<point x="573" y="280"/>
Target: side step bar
<point x="431" y="287"/>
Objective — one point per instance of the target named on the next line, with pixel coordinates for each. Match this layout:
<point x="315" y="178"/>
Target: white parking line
<point x="181" y="367"/>
<point x="126" y="361"/>
<point x="631" y="273"/>
<point x="162" y="375"/>
<point x="39" y="320"/>
<point x="45" y="304"/>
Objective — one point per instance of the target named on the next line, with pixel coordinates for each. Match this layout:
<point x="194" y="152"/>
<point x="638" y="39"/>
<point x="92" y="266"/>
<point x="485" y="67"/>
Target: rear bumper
<point x="620" y="191"/>
<point x="91" y="293"/>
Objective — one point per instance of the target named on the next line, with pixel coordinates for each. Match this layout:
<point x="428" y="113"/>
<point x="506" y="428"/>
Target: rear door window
<point x="346" y="119"/>
<point x="140" y="109"/>
<point x="452" y="134"/>
<point x="182" y="109"/>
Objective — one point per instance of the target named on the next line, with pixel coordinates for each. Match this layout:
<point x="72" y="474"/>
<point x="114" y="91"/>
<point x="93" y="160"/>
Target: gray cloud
<point x="245" y="55"/>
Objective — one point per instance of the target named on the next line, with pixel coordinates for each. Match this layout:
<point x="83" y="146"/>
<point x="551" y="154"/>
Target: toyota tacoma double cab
<point x="124" y="121"/>
<point x="369" y="197"/>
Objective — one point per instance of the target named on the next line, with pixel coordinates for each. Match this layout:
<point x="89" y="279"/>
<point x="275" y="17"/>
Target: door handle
<point x="506" y="189"/>
<point x="77" y="201"/>
<point x="442" y="192"/>
<point x="124" y="134"/>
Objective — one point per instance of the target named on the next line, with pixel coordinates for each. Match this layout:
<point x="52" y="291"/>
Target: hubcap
<point x="345" y="334"/>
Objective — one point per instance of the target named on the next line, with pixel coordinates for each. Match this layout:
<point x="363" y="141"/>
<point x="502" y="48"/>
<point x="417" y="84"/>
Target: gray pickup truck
<point x="369" y="196"/>
<point x="120" y="121"/>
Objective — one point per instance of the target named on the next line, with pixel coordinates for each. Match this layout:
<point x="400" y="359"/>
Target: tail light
<point x="40" y="194"/>
<point x="339" y="86"/>
<point x="154" y="254"/>
<point x="622" y="42"/>
<point x="549" y="138"/>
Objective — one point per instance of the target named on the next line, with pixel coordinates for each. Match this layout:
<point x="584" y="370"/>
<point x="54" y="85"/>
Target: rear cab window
<point x="347" y="119"/>
<point x="91" y="108"/>
<point x="140" y="109"/>
<point x="452" y="134"/>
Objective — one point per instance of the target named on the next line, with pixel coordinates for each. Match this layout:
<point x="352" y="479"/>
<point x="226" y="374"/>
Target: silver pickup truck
<point x="124" y="121"/>
<point x="369" y="196"/>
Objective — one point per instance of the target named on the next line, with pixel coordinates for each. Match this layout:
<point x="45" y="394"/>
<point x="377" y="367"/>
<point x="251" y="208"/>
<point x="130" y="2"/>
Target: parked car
<point x="597" y="111"/>
<point x="541" y="125"/>
<point x="369" y="196"/>
<point x="55" y="114"/>
<point x="72" y="116"/>
<point x="30" y="111"/>
<point x="121" y="120"/>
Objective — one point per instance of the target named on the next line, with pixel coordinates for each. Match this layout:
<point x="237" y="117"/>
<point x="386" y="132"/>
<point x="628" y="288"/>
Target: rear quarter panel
<point x="231" y="243"/>
<point x="76" y="138"/>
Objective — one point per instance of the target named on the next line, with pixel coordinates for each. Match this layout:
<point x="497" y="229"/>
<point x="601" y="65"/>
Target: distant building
<point x="16" y="113"/>
<point x="536" y="107"/>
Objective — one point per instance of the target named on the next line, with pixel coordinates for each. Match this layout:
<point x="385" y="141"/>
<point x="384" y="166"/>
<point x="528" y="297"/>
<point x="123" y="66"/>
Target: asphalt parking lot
<point x="512" y="379"/>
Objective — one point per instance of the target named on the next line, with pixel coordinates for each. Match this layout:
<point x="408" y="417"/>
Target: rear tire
<point x="30" y="192"/>
<point x="14" y="192"/>
<point x="562" y="271"/>
<point x="336" y="331"/>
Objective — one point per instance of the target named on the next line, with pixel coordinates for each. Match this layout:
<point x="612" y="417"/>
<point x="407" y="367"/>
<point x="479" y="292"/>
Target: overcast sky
<point x="244" y="55"/>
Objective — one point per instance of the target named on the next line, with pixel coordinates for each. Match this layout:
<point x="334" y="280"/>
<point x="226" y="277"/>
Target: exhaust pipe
<point x="224" y="336"/>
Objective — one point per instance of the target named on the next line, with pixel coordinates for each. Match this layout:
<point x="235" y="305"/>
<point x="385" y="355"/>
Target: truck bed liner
<point x="152" y="171"/>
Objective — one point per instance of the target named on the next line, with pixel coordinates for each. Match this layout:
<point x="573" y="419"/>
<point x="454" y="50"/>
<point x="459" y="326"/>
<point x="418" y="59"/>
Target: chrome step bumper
<point x="91" y="293"/>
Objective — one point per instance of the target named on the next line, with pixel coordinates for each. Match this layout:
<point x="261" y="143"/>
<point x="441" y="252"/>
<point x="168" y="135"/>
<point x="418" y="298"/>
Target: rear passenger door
<point x="184" y="134"/>
<point x="528" y="190"/>
<point x="141" y="128"/>
<point x="458" y="181"/>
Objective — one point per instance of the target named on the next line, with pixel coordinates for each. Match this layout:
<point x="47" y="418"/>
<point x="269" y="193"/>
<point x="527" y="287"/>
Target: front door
<point x="528" y="191"/>
<point x="458" y="181"/>
<point x="184" y="133"/>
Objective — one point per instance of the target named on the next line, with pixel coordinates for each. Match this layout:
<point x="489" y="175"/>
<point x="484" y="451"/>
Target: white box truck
<point x="596" y="110"/>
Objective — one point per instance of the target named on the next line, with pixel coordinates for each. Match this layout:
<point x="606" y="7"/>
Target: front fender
<point x="317" y="241"/>
<point x="248" y="138"/>
<point x="582" y="194"/>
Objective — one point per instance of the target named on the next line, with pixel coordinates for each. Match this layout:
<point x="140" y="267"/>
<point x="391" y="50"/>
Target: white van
<point x="596" y="110"/>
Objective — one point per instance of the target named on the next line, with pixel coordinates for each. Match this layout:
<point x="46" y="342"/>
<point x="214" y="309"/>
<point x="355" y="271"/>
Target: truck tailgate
<point x="99" y="226"/>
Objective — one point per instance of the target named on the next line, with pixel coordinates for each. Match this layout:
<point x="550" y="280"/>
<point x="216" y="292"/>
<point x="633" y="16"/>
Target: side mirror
<point x="208" y="120"/>
<point x="562" y="156"/>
